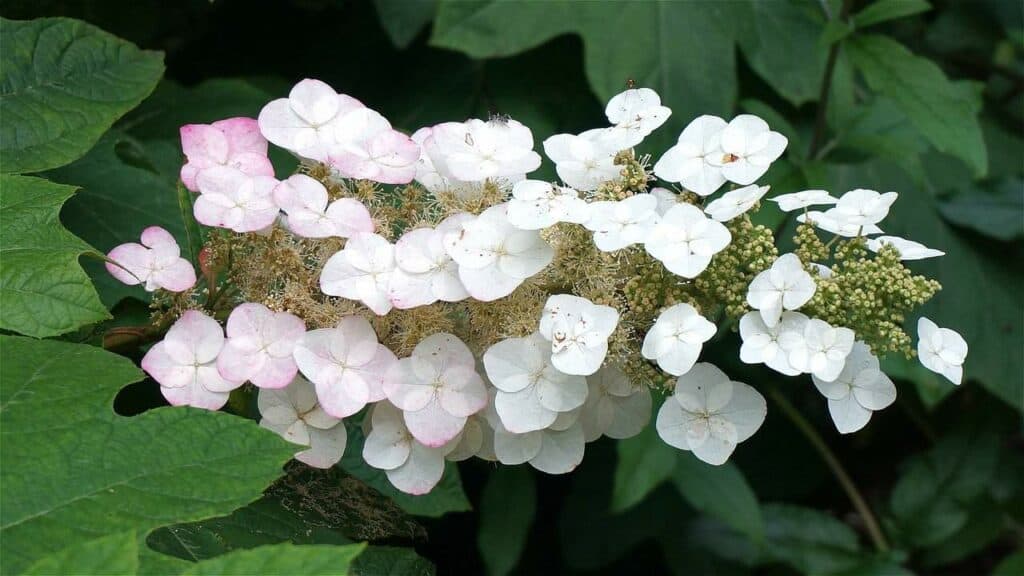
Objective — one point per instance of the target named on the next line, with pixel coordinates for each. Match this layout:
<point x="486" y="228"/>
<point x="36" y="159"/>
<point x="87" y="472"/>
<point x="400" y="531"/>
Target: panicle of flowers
<point x="426" y="286"/>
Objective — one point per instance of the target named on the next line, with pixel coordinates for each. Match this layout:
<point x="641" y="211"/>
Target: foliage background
<point x="941" y="123"/>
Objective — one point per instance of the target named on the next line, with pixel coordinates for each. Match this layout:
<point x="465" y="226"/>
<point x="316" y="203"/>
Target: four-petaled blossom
<point x="578" y="331"/>
<point x="614" y="408"/>
<point x="304" y="201"/>
<point x="536" y="204"/>
<point x="425" y="272"/>
<point x="367" y="147"/>
<point x="803" y="199"/>
<point x="495" y="257"/>
<point x="583" y="161"/>
<point x="156" y="263"/>
<point x="676" y="339"/>
<point x="531" y="391"/>
<point x="361" y="271"/>
<point x="862" y="207"/>
<point x="346" y="363"/>
<point x="709" y="414"/>
<point x="235" y="200"/>
<point x="908" y="249"/>
<point x="184" y="363"/>
<point x="814" y="347"/>
<point x="234" y="142"/>
<point x="410" y="466"/>
<point x="786" y="285"/>
<point x="437" y="389"/>
<point x="860" y="389"/>
<point x="475" y="150"/>
<point x="634" y="113"/>
<point x="684" y="240"/>
<point x="305" y="122"/>
<point x="827" y="222"/>
<point x="259" y="346"/>
<point x="432" y="170"/>
<point x="941" y="350"/>
<point x="748" y="148"/>
<point x="735" y="202"/>
<point x="761" y="342"/>
<point x="688" y="162"/>
<point x="621" y="223"/>
<point x="294" y="413"/>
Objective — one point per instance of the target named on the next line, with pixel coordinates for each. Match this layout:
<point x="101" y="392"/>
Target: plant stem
<point x="870" y="523"/>
<point x="821" y="122"/>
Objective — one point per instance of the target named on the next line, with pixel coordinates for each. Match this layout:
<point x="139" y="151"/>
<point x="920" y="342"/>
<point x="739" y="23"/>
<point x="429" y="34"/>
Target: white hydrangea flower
<point x="615" y="407"/>
<point x="235" y="200"/>
<point x="761" y="343"/>
<point x="294" y="414"/>
<point x="259" y="346"/>
<point x="735" y="202"/>
<point x="860" y="389"/>
<point x="617" y="224"/>
<point x="578" y="331"/>
<point x="475" y="150"/>
<point x="908" y="249"/>
<point x="666" y="199"/>
<point x="536" y="205"/>
<point x="803" y="199"/>
<point x="634" y="113"/>
<point x="425" y="273"/>
<point x="495" y="257"/>
<point x="346" y="363"/>
<point x="941" y="350"/>
<point x="749" y="147"/>
<point x="304" y="122"/>
<point x="410" y="466"/>
<point x="676" y="339"/>
<point x="436" y="388"/>
<point x="684" y="240"/>
<point x="829" y="223"/>
<point x="862" y="207"/>
<point x="555" y="449"/>
<point x="304" y="201"/>
<point x="688" y="162"/>
<point x="786" y="285"/>
<point x="531" y="391"/>
<point x="814" y="347"/>
<point x="367" y="147"/>
<point x="709" y="414"/>
<point x="361" y="271"/>
<point x="584" y="161"/>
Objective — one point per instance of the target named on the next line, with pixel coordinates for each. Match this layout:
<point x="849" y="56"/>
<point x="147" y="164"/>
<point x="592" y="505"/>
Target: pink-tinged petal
<point x="204" y="145"/>
<point x="221" y="180"/>
<point x="194" y="339"/>
<point x="432" y="425"/>
<point x="281" y="125"/>
<point x="135" y="263"/>
<point x="350" y="217"/>
<point x="326" y="447"/>
<point x="344" y="397"/>
<point x="188" y="175"/>
<point x="177" y="277"/>
<point x="208" y="212"/>
<point x="410" y="291"/>
<point x="395" y="155"/>
<point x="165" y="370"/>
<point x="314" y="101"/>
<point x="157" y="238"/>
<point x="375" y="372"/>
<point x="196" y="396"/>
<point x="463" y="393"/>
<point x="421" y="472"/>
<point x="209" y="377"/>
<point x="276" y="373"/>
<point x="235" y="363"/>
<point x="407" y="391"/>
<point x="243" y="135"/>
<point x="252" y="164"/>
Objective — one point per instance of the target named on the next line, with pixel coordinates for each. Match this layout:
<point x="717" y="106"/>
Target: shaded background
<point x="941" y="468"/>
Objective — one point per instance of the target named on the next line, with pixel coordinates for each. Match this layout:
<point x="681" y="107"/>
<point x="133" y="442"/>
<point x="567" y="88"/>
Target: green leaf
<point x="721" y="492"/>
<point x="63" y="83"/>
<point x="810" y="541"/>
<point x="404" y="19"/>
<point x="780" y="41"/>
<point x="644" y="462"/>
<point x="281" y="559"/>
<point x="1012" y="565"/>
<point x="931" y="500"/>
<point x="835" y="30"/>
<point x="115" y="555"/>
<point x="998" y="214"/>
<point x="72" y="470"/>
<point x="885" y="10"/>
<point x="43" y="290"/>
<point x="945" y="112"/>
<point x="985" y="524"/>
<point x="507" y="507"/>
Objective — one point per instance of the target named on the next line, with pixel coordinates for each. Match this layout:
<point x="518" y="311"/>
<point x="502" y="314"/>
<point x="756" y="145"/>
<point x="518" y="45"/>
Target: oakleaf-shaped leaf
<point x="73" y="470"/>
<point x="43" y="290"/>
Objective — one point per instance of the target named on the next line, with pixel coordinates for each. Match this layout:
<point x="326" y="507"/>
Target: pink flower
<point x="184" y="363"/>
<point x="304" y="122"/>
<point x="259" y="346"/>
<point x="304" y="200"/>
<point x="156" y="263"/>
<point x="235" y="200"/>
<point x="235" y="142"/>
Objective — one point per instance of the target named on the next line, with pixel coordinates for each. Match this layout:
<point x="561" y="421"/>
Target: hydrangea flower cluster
<point x="467" y="310"/>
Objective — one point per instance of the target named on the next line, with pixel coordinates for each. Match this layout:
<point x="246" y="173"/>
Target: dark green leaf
<point x="998" y="214"/>
<point x="721" y="492"/>
<point x="985" y="524"/>
<point x="775" y="34"/>
<point x="116" y="554"/>
<point x="75" y="471"/>
<point x="43" y="290"/>
<point x="312" y="560"/>
<point x="810" y="541"/>
<point x="644" y="462"/>
<point x="404" y="19"/>
<point x="885" y="10"/>
<point x="62" y="84"/>
<point x="1012" y="565"/>
<point x="506" y="512"/>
